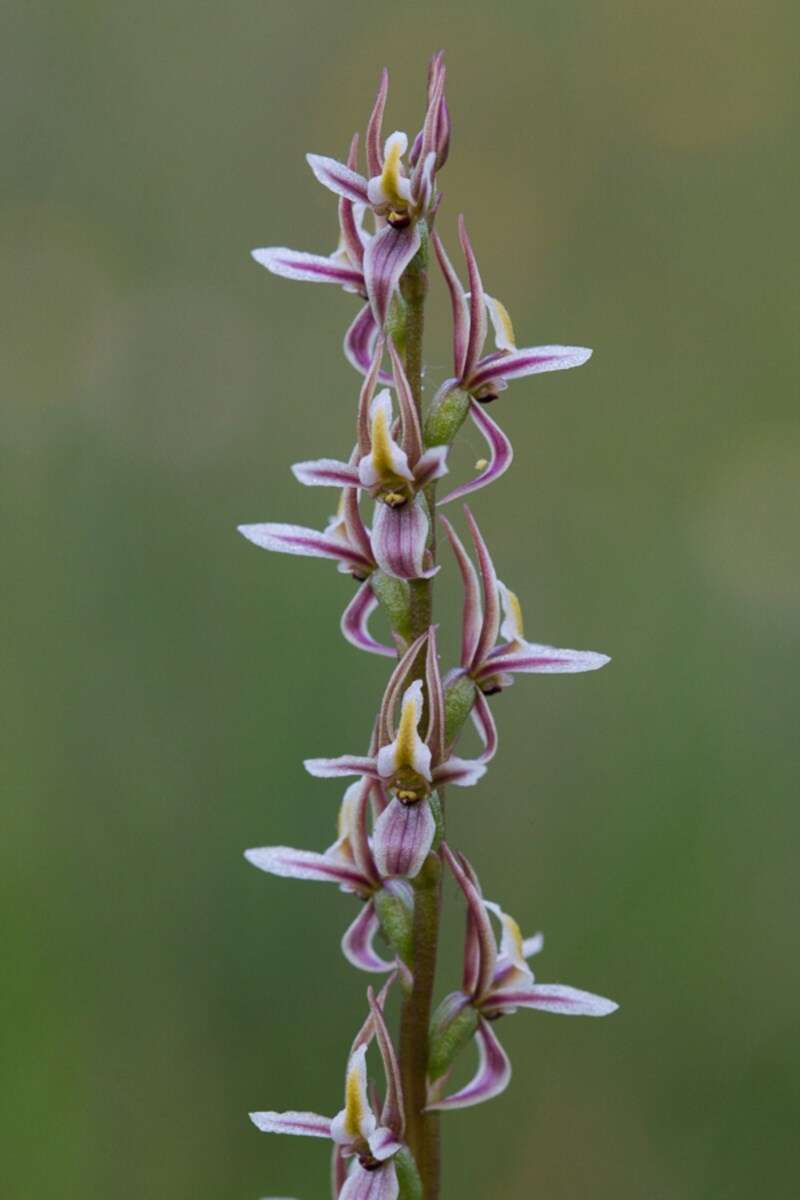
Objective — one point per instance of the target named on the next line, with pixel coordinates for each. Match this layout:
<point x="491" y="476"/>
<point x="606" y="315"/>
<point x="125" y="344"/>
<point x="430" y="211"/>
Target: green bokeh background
<point x="628" y="171"/>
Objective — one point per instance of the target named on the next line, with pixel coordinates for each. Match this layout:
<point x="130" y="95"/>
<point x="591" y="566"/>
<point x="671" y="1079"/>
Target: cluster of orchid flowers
<point x="391" y="817"/>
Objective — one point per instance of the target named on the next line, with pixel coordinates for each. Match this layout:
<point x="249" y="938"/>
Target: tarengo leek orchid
<point x="390" y="846"/>
<point x="372" y="1142"/>
<point x="483" y="376"/>
<point x="395" y="469"/>
<point x="496" y="982"/>
<point x="409" y="766"/>
<point x="349" y="862"/>
<point x="492" y="666"/>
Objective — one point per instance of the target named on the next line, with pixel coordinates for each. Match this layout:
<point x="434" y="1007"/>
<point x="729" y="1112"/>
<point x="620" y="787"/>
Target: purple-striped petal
<point x="392" y="1114"/>
<point x="383" y="1143"/>
<point x="385" y="726"/>
<point x="296" y="539"/>
<point x="552" y="997"/>
<point x="459" y="306"/>
<point x="350" y="228"/>
<point x="431" y="465"/>
<point x="500" y="454"/>
<point x="373" y="141"/>
<point x="304" y="1124"/>
<point x="325" y="472"/>
<point x="472" y="617"/>
<point x="360" y="341"/>
<point x="479" y="976"/>
<point x="385" y="259"/>
<point x="530" y="361"/>
<point x="463" y="772"/>
<point x="305" y="864"/>
<point x="433" y="683"/>
<point x="338" y="178"/>
<point x="358" y="943"/>
<point x="477" y="304"/>
<point x="355" y="622"/>
<point x="531" y="659"/>
<point x="491" y="594"/>
<point x="335" y="768"/>
<point x="491" y="1078"/>
<point x="308" y="268"/>
<point x="400" y="539"/>
<point x="483" y="721"/>
<point x="379" y="1184"/>
<point x="412" y="433"/>
<point x="402" y="837"/>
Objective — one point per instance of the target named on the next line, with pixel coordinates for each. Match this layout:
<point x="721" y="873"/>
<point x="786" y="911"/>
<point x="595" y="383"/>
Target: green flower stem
<point x="422" y="1129"/>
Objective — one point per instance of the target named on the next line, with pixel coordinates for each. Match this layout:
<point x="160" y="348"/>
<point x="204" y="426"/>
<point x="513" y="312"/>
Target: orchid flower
<point x="345" y="539"/>
<point x="496" y="982"/>
<point x="373" y="1142"/>
<point x="394" y="470"/>
<point x="409" y="766"/>
<point x="491" y="666"/>
<point x="344" y="267"/>
<point x="399" y="199"/>
<point x="350" y="863"/>
<point x="484" y="376"/>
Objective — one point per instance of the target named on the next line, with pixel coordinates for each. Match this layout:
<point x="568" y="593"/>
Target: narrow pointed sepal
<point x="385" y="259"/>
<point x="532" y="360"/>
<point x="308" y="543"/>
<point x="552" y="997"/>
<point x="303" y="1124"/>
<point x="308" y="268"/>
<point x="532" y="659"/>
<point x="501" y="454"/>
<point x="355" y="622"/>
<point x="360" y="341"/>
<point x="325" y="472"/>
<point x="491" y="1078"/>
<point x="305" y="864"/>
<point x="358" y="943"/>
<point x="337" y="768"/>
<point x="338" y="178"/>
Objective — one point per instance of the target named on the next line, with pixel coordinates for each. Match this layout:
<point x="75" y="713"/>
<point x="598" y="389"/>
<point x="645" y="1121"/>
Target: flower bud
<point x="459" y="698"/>
<point x="407" y="1175"/>
<point x="452" y="1027"/>
<point x="396" y="914"/>
<point x="446" y="417"/>
<point x="394" y="595"/>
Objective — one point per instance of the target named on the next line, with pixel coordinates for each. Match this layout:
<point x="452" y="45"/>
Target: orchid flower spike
<point x="373" y="1142"/>
<point x="400" y="200"/>
<point x="480" y="376"/>
<point x="391" y="464"/>
<point x="350" y="863"/>
<point x="492" y="667"/>
<point x="496" y="982"/>
<point x="409" y="766"/>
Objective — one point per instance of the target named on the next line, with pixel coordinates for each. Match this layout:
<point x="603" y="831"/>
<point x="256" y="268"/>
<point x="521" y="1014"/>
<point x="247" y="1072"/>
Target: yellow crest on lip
<point x="391" y="177"/>
<point x="355" y="1108"/>
<point x="501" y="322"/>
<point x="381" y="439"/>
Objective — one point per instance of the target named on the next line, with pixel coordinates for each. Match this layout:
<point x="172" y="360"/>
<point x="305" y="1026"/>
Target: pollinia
<point x="392" y="847"/>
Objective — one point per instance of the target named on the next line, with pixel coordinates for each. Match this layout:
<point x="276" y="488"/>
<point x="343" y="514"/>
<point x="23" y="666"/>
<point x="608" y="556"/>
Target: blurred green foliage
<point x="629" y="174"/>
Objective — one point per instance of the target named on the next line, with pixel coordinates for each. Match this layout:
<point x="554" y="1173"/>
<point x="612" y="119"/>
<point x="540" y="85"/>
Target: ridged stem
<point x="422" y="1129"/>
